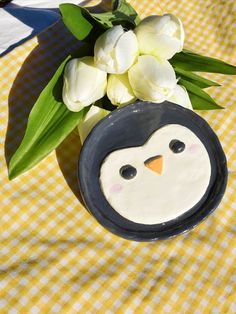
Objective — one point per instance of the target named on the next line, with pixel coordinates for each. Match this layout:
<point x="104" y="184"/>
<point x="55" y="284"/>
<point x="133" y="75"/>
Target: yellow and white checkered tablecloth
<point x="55" y="258"/>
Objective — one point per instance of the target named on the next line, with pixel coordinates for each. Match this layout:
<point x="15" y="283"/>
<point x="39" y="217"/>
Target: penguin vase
<point x="151" y="171"/>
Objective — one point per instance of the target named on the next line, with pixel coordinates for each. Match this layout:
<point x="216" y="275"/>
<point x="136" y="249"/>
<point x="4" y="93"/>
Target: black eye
<point x="128" y="172"/>
<point x="177" y="146"/>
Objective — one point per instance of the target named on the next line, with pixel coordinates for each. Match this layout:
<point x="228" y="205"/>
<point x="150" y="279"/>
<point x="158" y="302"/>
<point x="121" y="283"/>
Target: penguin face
<point x="151" y="171"/>
<point x="160" y="180"/>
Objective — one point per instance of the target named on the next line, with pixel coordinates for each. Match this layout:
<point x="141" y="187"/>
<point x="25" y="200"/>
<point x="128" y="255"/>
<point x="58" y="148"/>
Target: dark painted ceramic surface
<point x="131" y="126"/>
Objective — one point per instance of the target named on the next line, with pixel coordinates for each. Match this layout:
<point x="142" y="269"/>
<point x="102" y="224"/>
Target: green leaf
<point x="124" y="7"/>
<point x="123" y="13"/>
<point x="76" y="20"/>
<point x="83" y="24"/>
<point x="200" y="100"/>
<point x="190" y="61"/>
<point x="115" y="4"/>
<point x="104" y="19"/>
<point x="49" y="123"/>
<point x="109" y="19"/>
<point x="194" y="78"/>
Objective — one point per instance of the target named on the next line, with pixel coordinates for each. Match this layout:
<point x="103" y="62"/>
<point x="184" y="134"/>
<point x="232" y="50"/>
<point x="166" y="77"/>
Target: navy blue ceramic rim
<point x="131" y="126"/>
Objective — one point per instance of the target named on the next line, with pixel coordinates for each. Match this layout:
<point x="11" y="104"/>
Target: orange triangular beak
<point x="155" y="164"/>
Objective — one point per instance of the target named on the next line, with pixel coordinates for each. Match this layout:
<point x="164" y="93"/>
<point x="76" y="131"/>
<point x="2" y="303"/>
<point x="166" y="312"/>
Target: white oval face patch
<point x="160" y="180"/>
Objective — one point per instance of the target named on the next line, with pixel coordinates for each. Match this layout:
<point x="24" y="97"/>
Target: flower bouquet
<point x="140" y="70"/>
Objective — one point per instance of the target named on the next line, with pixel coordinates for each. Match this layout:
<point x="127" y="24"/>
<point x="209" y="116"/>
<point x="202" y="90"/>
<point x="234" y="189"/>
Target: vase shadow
<point x="34" y="74"/>
<point x="67" y="154"/>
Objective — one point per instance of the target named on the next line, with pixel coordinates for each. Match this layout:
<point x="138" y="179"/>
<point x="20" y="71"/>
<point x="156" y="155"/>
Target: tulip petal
<point x="161" y="46"/>
<point x="180" y="96"/>
<point x="83" y="83"/>
<point x="87" y="84"/>
<point x="161" y="36"/>
<point x="71" y="105"/>
<point x="105" y="43"/>
<point x="104" y="47"/>
<point x="126" y="51"/>
<point x="119" y="90"/>
<point x="157" y="72"/>
<point x="94" y="115"/>
<point x="69" y="75"/>
<point x="152" y="79"/>
<point x="180" y="32"/>
<point x="115" y="50"/>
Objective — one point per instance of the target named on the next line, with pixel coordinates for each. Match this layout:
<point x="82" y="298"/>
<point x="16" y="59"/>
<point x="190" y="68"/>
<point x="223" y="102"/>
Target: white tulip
<point x="152" y="79"/>
<point x="83" y="83"/>
<point x="116" y="50"/>
<point x="119" y="90"/>
<point x="180" y="97"/>
<point x="94" y="115"/>
<point x="161" y="36"/>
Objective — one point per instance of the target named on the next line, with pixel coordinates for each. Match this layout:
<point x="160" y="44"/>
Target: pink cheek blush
<point x="115" y="188"/>
<point x="194" y="148"/>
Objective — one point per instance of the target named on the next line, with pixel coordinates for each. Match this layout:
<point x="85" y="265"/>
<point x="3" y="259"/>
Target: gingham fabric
<point x="55" y="258"/>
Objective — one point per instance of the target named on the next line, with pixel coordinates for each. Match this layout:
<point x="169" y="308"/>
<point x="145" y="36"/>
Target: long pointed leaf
<point x="200" y="100"/>
<point x="199" y="103"/>
<point x="109" y="19"/>
<point x="124" y="7"/>
<point x="190" y="61"/>
<point x="123" y="13"/>
<point x="49" y="123"/>
<point x="76" y="20"/>
<point x="194" y="78"/>
<point x="115" y="4"/>
<point x="83" y="24"/>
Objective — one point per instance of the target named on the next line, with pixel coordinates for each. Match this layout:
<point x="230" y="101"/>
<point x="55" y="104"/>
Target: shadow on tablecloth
<point x="35" y="73"/>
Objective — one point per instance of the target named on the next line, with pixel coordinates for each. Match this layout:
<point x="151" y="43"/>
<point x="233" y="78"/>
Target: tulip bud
<point x="83" y="83"/>
<point x="93" y="116"/>
<point x="161" y="36"/>
<point x="152" y="79"/>
<point x="119" y="90"/>
<point x="116" y="50"/>
<point x="180" y="97"/>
